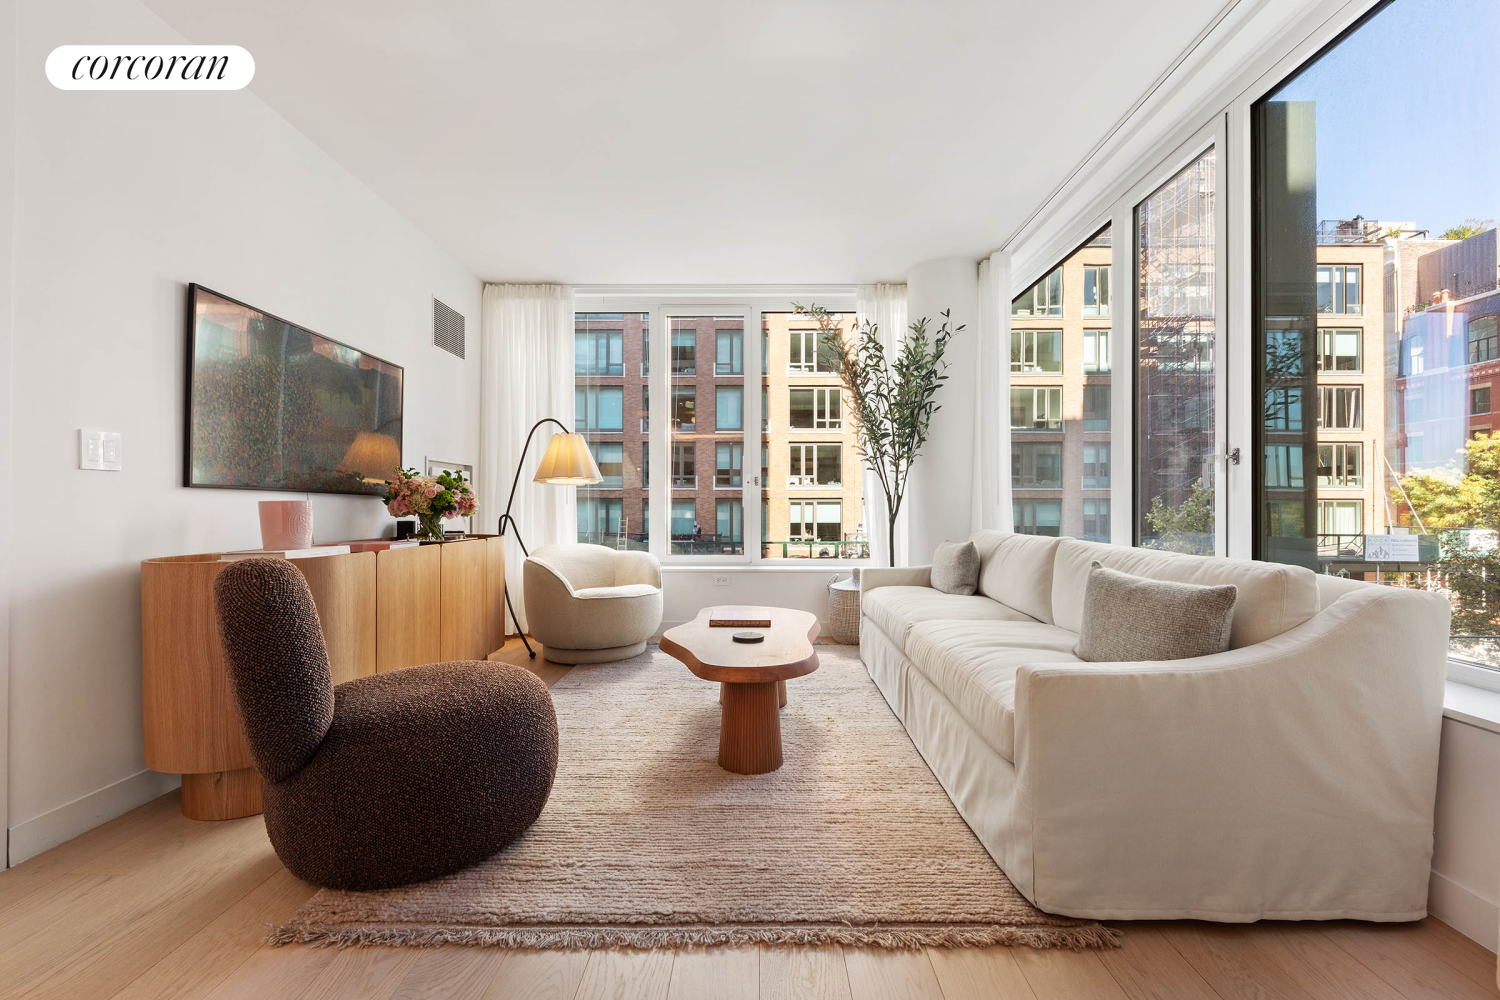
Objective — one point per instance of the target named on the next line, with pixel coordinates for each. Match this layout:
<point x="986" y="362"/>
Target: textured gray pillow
<point x="1130" y="618"/>
<point x="955" y="568"/>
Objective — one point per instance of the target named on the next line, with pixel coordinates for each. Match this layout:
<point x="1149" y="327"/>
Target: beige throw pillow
<point x="955" y="568"/>
<point x="1130" y="618"/>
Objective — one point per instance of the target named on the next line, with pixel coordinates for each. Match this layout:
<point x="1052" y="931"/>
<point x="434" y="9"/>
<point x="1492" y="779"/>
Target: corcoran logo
<point x="150" y="67"/>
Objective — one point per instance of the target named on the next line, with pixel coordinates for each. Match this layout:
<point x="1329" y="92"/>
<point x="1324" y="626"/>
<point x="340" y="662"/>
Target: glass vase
<point x="432" y="527"/>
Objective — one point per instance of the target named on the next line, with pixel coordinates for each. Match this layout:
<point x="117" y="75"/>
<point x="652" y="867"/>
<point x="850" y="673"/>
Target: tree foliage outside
<point x="1467" y="228"/>
<point x="1185" y="527"/>
<point x="1452" y="502"/>
<point x="892" y="400"/>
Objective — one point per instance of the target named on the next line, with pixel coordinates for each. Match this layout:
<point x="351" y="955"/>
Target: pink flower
<point x="432" y="490"/>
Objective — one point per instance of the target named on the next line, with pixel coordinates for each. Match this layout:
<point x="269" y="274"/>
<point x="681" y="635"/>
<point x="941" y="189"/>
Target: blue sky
<point x="1408" y="115"/>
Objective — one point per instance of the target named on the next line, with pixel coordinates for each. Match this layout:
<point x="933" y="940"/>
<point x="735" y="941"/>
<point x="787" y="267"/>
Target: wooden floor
<point x="152" y="906"/>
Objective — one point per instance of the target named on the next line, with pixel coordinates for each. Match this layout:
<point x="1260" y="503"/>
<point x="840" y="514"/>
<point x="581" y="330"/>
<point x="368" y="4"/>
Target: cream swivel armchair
<point x="591" y="604"/>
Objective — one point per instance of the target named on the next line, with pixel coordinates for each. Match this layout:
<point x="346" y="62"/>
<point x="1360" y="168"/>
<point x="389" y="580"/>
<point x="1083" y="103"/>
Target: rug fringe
<point x="588" y="938"/>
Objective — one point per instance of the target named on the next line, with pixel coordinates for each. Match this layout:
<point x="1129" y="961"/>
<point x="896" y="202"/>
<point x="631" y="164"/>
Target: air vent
<point x="447" y="328"/>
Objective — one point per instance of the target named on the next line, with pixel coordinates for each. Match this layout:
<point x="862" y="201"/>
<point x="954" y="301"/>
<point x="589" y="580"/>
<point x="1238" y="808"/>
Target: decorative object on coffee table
<point x="384" y="780"/>
<point x="286" y="524"/>
<point x="753" y="678"/>
<point x="843" y="610"/>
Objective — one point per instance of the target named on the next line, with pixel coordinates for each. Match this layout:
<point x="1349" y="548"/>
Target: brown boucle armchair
<point x="387" y="779"/>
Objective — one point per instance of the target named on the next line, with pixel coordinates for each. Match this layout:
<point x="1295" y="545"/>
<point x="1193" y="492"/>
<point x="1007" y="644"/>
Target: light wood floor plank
<point x="275" y="973"/>
<point x="538" y="975"/>
<point x="715" y="974"/>
<point x="1228" y="960"/>
<point x="362" y="974"/>
<point x="876" y="974"/>
<point x="1149" y="968"/>
<point x="803" y="974"/>
<point x="453" y="972"/>
<point x="207" y="958"/>
<point x="1469" y="957"/>
<point x="979" y="974"/>
<point x="626" y="975"/>
<point x="1400" y="961"/>
<point x="1059" y="974"/>
<point x="17" y="883"/>
<point x="1317" y="965"/>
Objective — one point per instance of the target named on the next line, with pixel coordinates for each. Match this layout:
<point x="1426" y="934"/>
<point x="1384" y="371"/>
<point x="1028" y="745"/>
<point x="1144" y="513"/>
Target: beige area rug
<point x="646" y="842"/>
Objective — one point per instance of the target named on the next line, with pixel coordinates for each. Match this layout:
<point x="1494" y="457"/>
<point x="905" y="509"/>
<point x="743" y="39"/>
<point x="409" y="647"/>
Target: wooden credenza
<point x="379" y="611"/>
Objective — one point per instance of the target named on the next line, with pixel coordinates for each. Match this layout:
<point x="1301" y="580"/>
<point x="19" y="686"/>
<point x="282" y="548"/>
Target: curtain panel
<point x="991" y="498"/>
<point x="885" y="306"/>
<point x="527" y="356"/>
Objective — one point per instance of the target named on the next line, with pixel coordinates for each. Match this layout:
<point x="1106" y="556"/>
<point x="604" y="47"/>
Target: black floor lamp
<point x="568" y="461"/>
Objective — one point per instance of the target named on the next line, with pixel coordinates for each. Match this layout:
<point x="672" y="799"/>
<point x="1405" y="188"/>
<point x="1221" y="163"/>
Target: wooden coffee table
<point x="752" y="676"/>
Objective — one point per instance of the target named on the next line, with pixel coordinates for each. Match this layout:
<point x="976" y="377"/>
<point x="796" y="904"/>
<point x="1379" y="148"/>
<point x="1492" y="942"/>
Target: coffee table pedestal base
<point x="750" y="727"/>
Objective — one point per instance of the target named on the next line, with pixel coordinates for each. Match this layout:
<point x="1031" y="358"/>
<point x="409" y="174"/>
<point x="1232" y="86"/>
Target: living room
<point x="354" y="665"/>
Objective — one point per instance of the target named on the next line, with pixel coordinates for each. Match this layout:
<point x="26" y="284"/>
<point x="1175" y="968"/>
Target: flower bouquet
<point x="430" y="499"/>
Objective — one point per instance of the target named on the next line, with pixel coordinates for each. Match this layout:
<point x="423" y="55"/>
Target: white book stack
<point x="308" y="553"/>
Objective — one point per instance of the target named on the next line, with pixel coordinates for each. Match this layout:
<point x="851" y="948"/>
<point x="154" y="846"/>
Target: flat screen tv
<point x="273" y="406"/>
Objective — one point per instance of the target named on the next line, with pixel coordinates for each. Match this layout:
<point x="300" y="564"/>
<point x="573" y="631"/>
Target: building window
<point x="645" y="465"/>
<point x="685" y="527"/>
<point x="645" y="352"/>
<point x="1036" y="408"/>
<point x="1096" y="466"/>
<point x="684" y="349"/>
<point x="1339" y="350"/>
<point x="1479" y="400"/>
<point x="1283" y="409"/>
<point x="730" y="455"/>
<point x="816" y="465"/>
<point x="599" y="408"/>
<point x="730" y="518"/>
<point x="1341" y="464"/>
<point x="1096" y="290"/>
<point x="1484" y="345"/>
<point x="599" y="520"/>
<point x="815" y="520"/>
<point x="765" y="408"/>
<point x="1037" y="517"/>
<point x="729" y="402"/>
<point x="599" y="352"/>
<point x="1339" y="289"/>
<point x="1096" y="407"/>
<point x="1341" y="518"/>
<point x="1096" y="520"/>
<point x="1042" y="299"/>
<point x="1096" y="350"/>
<point x="610" y="457"/>
<point x="684" y="471"/>
<point x="1036" y="350"/>
<point x="811" y="353"/>
<point x="1036" y="465"/>
<point x="816" y="409"/>
<point x="645" y="409"/>
<point x="729" y="357"/>
<point x="1284" y="466"/>
<point x="1339" y="407"/>
<point x="684" y="408"/>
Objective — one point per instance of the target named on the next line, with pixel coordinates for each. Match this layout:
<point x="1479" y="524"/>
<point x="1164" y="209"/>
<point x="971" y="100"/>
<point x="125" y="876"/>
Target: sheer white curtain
<point x="884" y="305"/>
<point x="991" y="499"/>
<point x="528" y="374"/>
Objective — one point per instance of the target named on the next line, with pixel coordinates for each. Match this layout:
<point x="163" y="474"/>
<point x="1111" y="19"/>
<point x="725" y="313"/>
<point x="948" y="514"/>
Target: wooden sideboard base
<point x="221" y="794"/>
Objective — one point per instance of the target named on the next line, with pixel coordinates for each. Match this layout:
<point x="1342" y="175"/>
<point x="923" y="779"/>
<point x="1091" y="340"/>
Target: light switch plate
<point x="90" y="449"/>
<point x="113" y="459"/>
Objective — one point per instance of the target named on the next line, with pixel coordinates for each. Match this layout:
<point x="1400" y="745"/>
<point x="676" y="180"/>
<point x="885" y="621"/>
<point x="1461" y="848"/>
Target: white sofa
<point x="591" y="604"/>
<point x="1291" y="777"/>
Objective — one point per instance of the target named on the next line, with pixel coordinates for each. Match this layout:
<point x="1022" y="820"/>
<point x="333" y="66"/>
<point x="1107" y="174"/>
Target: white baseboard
<point x="51" y="828"/>
<point x="1465" y="911"/>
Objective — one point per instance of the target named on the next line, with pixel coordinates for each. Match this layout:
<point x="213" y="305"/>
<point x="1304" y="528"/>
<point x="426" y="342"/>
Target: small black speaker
<point x="405" y="529"/>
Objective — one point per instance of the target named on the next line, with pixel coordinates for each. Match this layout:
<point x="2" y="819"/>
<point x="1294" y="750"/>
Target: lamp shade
<point x="568" y="462"/>
<point x="373" y="456"/>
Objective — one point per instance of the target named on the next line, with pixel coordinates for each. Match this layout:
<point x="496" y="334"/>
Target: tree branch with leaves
<point x="891" y="399"/>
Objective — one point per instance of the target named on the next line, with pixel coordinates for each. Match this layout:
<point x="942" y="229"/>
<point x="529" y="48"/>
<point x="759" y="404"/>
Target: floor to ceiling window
<point x="609" y="365"/>
<point x="1376" y="306"/>
<point x="1060" y="397"/>
<point x="1176" y="350"/>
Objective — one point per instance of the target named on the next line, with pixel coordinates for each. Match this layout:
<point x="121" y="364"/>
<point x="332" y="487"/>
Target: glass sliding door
<point x="1177" y="349"/>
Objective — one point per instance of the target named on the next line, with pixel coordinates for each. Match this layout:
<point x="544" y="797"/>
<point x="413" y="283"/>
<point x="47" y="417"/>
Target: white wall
<point x="940" y="494"/>
<point x="1466" y="849"/>
<point x="126" y="198"/>
<point x="7" y="261"/>
<point x="685" y="592"/>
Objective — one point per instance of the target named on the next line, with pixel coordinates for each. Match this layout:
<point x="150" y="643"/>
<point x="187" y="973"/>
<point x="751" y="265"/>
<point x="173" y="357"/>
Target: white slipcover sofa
<point x="1291" y="777"/>
<point x="591" y="604"/>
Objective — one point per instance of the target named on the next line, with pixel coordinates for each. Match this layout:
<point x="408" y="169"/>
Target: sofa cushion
<point x="897" y="609"/>
<point x="1273" y="597"/>
<point x="1016" y="570"/>
<point x="955" y="568"/>
<point x="974" y="665"/>
<point x="1129" y="619"/>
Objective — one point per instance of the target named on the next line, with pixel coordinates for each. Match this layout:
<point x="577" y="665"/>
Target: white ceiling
<point x="703" y="141"/>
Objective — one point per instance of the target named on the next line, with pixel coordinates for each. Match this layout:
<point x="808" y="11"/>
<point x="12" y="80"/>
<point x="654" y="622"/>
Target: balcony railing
<point x="805" y="549"/>
<point x="1351" y="548"/>
<point x="805" y="482"/>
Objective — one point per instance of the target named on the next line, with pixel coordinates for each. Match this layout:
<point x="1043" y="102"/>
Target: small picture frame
<point x="436" y="466"/>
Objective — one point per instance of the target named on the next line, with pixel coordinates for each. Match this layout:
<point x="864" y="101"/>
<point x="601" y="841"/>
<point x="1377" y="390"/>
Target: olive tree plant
<point x="891" y="399"/>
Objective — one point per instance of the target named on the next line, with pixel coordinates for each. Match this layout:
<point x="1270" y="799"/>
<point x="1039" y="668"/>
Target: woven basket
<point x="843" y="610"/>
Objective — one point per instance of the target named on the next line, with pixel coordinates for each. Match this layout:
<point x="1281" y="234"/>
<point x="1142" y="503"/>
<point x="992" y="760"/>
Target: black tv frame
<point x="193" y="289"/>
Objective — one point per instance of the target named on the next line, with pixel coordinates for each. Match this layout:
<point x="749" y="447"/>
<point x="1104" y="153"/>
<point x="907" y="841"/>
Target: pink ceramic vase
<point x="286" y="524"/>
